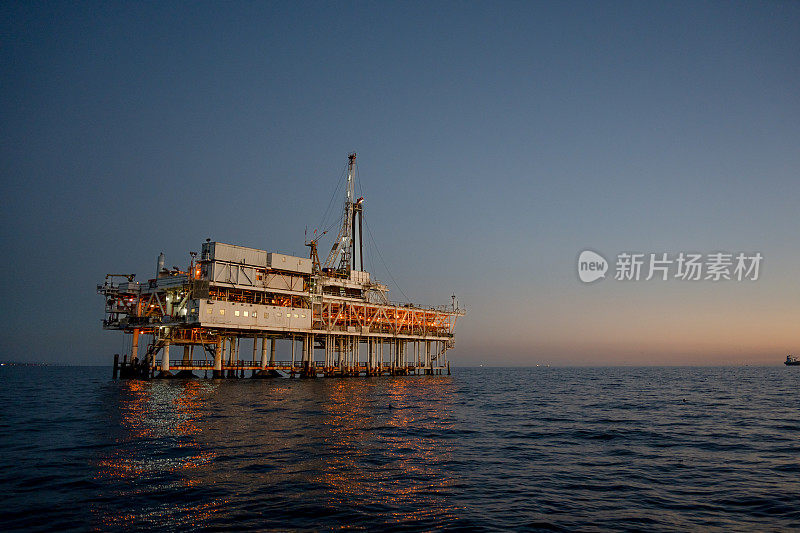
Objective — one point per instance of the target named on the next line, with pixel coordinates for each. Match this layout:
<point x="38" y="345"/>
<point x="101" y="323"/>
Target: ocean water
<point x="552" y="449"/>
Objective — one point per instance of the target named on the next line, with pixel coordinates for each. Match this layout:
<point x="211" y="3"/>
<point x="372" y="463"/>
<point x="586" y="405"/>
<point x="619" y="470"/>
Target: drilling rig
<point x="329" y="319"/>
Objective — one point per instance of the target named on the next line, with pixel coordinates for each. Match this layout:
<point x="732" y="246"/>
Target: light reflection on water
<point x="364" y="443"/>
<point x="157" y="420"/>
<point x="380" y="453"/>
<point x="513" y="449"/>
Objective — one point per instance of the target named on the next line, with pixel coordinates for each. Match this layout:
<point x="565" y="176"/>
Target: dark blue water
<point x="485" y="449"/>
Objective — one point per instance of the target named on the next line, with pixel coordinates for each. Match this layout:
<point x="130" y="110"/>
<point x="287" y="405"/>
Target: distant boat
<point x="791" y="361"/>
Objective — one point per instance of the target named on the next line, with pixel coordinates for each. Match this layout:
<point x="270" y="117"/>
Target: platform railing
<point x="236" y="364"/>
<point x="174" y="363"/>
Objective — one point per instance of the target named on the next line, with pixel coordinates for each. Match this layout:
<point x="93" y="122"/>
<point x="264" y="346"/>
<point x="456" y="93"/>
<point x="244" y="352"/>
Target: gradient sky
<point x="495" y="142"/>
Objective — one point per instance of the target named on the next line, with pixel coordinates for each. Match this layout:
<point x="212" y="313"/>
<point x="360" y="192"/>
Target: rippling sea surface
<point x="484" y="449"/>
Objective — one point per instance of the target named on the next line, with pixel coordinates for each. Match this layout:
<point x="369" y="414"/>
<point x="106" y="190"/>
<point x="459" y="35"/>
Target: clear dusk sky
<point x="495" y="140"/>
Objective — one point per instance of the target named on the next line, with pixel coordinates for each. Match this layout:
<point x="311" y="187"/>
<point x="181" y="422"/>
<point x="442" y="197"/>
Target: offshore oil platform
<point x="336" y="319"/>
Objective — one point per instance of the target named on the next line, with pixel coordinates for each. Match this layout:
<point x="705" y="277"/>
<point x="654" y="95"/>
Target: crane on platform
<point x="313" y="255"/>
